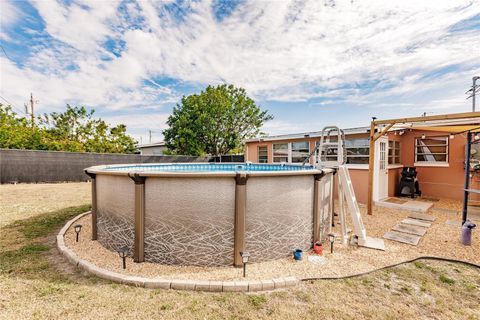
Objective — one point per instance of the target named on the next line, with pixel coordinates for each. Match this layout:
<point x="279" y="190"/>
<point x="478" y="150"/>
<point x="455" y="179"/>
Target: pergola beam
<point x="389" y="124"/>
<point x="383" y="132"/>
<point x="451" y="116"/>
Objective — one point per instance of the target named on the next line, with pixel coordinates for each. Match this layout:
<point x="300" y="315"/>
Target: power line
<point x="473" y="90"/>
<point x="5" y="52"/>
<point x="11" y="104"/>
<point x="32" y="107"/>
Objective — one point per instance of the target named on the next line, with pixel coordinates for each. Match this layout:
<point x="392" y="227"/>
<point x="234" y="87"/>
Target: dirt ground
<point x="36" y="282"/>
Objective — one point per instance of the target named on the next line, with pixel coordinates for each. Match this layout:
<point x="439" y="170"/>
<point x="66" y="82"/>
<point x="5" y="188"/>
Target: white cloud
<point x="81" y="25"/>
<point x="277" y="50"/>
<point x="281" y="127"/>
<point x="139" y="125"/>
<point x="10" y="15"/>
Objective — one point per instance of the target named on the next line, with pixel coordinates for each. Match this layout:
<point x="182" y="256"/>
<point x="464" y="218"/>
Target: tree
<point x="17" y="132"/>
<point x="75" y="129"/>
<point x="214" y="122"/>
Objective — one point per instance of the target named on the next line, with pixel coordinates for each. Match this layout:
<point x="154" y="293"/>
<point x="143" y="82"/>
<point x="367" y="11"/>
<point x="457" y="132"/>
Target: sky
<point x="309" y="63"/>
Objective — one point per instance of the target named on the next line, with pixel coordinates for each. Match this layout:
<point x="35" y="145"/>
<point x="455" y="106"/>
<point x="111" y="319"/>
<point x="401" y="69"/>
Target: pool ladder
<point x="333" y="154"/>
<point x="330" y="152"/>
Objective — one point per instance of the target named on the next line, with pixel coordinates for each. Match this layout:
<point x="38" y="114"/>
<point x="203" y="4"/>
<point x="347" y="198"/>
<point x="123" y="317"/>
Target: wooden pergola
<point x="387" y="125"/>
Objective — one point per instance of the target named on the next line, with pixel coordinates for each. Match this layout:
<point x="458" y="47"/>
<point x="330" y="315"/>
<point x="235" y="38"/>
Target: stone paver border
<point x="152" y="283"/>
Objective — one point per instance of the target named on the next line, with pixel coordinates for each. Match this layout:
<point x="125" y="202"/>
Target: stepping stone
<point x="428" y="199"/>
<point x="455" y="223"/>
<point x="448" y="211"/>
<point x="458" y="223"/>
<point x="408" y="228"/>
<point x="402" y="237"/>
<point x="473" y="213"/>
<point x="409" y="205"/>
<point x="395" y="200"/>
<point x="415" y="222"/>
<point x="421" y="216"/>
<point x="473" y="210"/>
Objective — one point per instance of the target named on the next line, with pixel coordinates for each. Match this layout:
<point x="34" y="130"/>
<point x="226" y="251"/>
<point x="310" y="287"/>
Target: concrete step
<point x="408" y="228"/>
<point x="421" y="216"/>
<point x="404" y="204"/>
<point x="402" y="237"/>
<point x="415" y="222"/>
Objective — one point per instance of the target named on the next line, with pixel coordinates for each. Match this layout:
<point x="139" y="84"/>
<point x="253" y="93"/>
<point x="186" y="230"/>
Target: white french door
<point x="380" y="172"/>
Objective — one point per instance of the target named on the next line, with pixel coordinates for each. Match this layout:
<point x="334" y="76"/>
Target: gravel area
<point x="21" y="201"/>
<point x="441" y="240"/>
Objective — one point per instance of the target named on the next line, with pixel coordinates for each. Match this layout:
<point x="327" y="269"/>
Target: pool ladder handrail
<point x="325" y="145"/>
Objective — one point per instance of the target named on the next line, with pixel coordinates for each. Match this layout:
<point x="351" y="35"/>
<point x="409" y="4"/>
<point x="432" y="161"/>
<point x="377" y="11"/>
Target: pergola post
<point x="467" y="177"/>
<point x="240" y="214"/>
<point x="390" y="123"/>
<point x="139" y="217"/>
<point x="94" y="204"/>
<point x="371" y="160"/>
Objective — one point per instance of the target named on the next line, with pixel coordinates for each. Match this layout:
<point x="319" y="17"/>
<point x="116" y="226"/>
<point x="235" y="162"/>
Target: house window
<point x="393" y="152"/>
<point x="357" y="150"/>
<point x="262" y="154"/>
<point x="280" y="152"/>
<point x="431" y="150"/>
<point x="300" y="151"/>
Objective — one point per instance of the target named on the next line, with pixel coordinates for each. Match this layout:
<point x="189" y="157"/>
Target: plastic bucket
<point x="318" y="248"/>
<point x="298" y="254"/>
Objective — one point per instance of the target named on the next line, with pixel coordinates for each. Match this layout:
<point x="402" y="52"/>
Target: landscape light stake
<point x="122" y="252"/>
<point x="331" y="237"/>
<point x="245" y="256"/>
<point x="78" y="228"/>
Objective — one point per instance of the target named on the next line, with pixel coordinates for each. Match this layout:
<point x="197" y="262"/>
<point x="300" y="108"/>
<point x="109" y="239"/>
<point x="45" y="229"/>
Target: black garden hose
<point x="395" y="265"/>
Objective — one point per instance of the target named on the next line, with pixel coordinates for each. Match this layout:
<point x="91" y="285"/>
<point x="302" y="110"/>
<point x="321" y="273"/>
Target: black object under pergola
<point x="419" y="123"/>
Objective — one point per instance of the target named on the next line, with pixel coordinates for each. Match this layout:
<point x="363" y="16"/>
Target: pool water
<point x="210" y="167"/>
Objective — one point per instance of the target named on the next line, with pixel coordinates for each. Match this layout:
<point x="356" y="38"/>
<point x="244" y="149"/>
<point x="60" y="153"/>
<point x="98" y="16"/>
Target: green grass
<point x="423" y="289"/>
<point x="29" y="259"/>
<point x="257" y="300"/>
<point x="446" y="279"/>
<point x="43" y="225"/>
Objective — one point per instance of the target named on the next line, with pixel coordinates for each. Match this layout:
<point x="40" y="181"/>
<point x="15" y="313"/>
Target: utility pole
<point x="473" y="91"/>
<point x="30" y="109"/>
<point x="150" y="136"/>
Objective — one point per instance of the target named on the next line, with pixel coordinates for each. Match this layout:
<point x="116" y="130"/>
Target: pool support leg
<point x="240" y="213"/>
<point x="94" y="204"/>
<point x="139" y="243"/>
<point x="316" y="206"/>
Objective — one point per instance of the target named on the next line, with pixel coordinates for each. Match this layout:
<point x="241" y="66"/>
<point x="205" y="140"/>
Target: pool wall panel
<point x="115" y="211"/>
<point x="279" y="216"/>
<point x="189" y="221"/>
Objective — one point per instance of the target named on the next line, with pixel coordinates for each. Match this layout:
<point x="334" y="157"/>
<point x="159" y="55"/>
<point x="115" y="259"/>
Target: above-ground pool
<point x="206" y="214"/>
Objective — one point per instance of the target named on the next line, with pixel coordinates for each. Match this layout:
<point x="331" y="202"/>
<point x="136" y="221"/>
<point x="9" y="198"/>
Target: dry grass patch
<point x="32" y="287"/>
<point x="21" y="201"/>
<point x="37" y="283"/>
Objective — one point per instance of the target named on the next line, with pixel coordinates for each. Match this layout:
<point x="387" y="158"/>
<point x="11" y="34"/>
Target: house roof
<point x="454" y="126"/>
<point x="310" y="134"/>
<point x="151" y="145"/>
